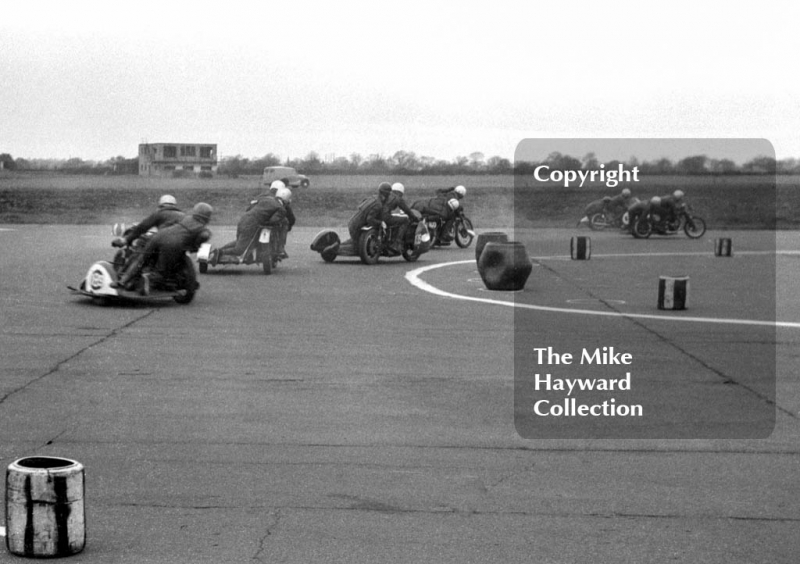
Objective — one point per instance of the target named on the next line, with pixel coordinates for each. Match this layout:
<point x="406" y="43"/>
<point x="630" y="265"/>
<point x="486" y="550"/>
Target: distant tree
<point x="722" y="166"/>
<point x="692" y="165"/>
<point x="557" y="161"/>
<point x="461" y="163"/>
<point x="784" y="166"/>
<point x="356" y="161"/>
<point x="498" y="165"/>
<point x="376" y="163"/>
<point x="476" y="160"/>
<point x="590" y="162"/>
<point x="8" y="161"/>
<point x="405" y="162"/>
<point x="311" y="164"/>
<point x="760" y="165"/>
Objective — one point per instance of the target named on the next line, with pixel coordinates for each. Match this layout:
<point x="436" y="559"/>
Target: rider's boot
<point x="144" y="289"/>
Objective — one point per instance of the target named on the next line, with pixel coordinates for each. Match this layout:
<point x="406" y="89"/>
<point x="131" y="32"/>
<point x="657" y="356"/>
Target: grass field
<point x="741" y="202"/>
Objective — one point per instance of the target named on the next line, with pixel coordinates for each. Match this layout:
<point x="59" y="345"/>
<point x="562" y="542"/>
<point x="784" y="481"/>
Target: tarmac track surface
<point x="339" y="413"/>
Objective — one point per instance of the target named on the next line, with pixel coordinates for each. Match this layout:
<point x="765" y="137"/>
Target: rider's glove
<point x="119" y="242"/>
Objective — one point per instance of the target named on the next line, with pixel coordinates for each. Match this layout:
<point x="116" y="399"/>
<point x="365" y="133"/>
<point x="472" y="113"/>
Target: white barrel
<point x="45" y="514"/>
<point x="673" y="292"/>
<point x="580" y="248"/>
<point x="722" y="247"/>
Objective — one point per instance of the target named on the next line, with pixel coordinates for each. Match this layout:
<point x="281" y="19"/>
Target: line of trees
<point x="409" y="163"/>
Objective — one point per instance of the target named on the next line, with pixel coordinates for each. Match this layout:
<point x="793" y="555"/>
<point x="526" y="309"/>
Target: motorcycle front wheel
<point x="598" y="222"/>
<point x="369" y="247"/>
<point x="695" y="227"/>
<point x="642" y="228"/>
<point x="463" y="236"/>
<point x="265" y="258"/>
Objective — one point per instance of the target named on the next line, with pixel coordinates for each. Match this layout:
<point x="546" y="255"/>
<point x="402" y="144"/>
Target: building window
<point x="170" y="151"/>
<point x="188" y="151"/>
<point x="206" y="167"/>
<point x="206" y="152"/>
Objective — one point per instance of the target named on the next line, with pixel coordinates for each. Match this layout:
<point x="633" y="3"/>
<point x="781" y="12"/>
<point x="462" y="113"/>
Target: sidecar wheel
<point x="463" y="237"/>
<point x="697" y="230"/>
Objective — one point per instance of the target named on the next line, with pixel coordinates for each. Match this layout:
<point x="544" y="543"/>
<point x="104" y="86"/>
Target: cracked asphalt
<point x="336" y="413"/>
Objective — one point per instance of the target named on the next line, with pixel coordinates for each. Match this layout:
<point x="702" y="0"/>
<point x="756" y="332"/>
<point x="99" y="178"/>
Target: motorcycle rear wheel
<point x="463" y="236"/>
<point x="369" y="247"/>
<point x="697" y="228"/>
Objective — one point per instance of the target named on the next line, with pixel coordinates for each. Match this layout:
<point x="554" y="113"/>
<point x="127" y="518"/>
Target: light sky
<point x="442" y="79"/>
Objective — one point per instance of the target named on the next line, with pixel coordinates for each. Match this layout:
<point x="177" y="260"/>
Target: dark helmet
<point x="202" y="212"/>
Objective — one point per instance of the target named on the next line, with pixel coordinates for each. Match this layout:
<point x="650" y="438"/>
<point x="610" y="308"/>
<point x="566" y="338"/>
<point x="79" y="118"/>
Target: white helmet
<point x="460" y="190"/>
<point x="283" y="193"/>
<point x="655" y="200"/>
<point x="397" y="187"/>
<point x="678" y="194"/>
<point x="454" y="204"/>
<point x="626" y="192"/>
<point x="277" y="185"/>
<point x="167" y="200"/>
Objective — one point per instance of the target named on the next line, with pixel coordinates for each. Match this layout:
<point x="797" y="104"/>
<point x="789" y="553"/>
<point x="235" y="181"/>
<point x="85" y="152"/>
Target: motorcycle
<point x="607" y="220"/>
<point x="262" y="249"/>
<point x="649" y="223"/>
<point x="374" y="243"/>
<point x="101" y="281"/>
<point x="459" y="230"/>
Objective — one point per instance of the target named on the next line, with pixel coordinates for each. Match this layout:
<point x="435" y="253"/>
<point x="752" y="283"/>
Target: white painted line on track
<point x="413" y="277"/>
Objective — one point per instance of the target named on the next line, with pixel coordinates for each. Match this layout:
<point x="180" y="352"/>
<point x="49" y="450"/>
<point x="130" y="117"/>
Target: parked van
<point x="286" y="174"/>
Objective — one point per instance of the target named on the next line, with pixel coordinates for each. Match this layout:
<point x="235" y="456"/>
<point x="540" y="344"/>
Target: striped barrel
<point x="45" y="514"/>
<point x="673" y="293"/>
<point x="580" y="248"/>
<point x="722" y="248"/>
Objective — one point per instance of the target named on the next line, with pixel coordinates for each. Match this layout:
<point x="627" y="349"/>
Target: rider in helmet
<point x="618" y="204"/>
<point x="444" y="197"/>
<point x="445" y="209"/>
<point x="670" y="204"/>
<point x="167" y="214"/>
<point x="394" y="201"/>
<point x="286" y="225"/>
<point x="265" y="211"/>
<point x="165" y="253"/>
<point x="369" y="211"/>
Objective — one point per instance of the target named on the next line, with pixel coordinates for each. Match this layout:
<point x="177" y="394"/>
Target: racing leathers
<point x="163" y="217"/>
<point x="165" y="253"/>
<point x="267" y="211"/>
<point x="394" y="201"/>
<point x="441" y="208"/>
